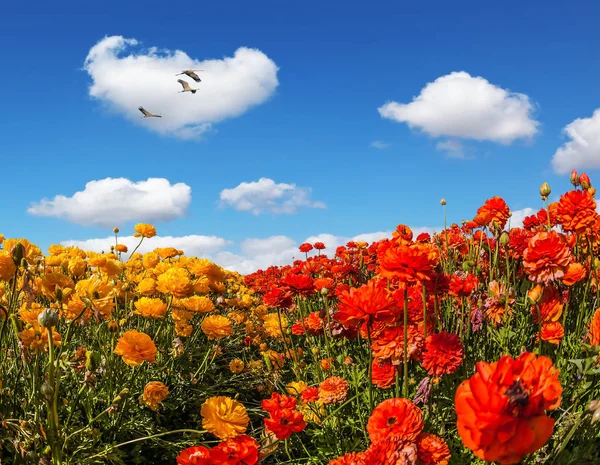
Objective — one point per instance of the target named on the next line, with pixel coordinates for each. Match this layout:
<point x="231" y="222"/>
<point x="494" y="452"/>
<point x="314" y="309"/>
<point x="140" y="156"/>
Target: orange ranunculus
<point x="284" y="422"/>
<point x="150" y="308"/>
<point x="241" y="450"/>
<point x="575" y="272"/>
<point x="494" y="211"/>
<point x="370" y="302"/>
<point x="147" y="286"/>
<point x="501" y="408"/>
<point x="443" y="354"/>
<point x="395" y="417"/>
<point x="552" y="332"/>
<point x="550" y="305"/>
<point x="576" y="211"/>
<point x="333" y="390"/>
<point x="224" y="417"/>
<point x="145" y="230"/>
<point x="432" y="450"/>
<point x="7" y="266"/>
<point x="195" y="455"/>
<point x="403" y="232"/>
<point x="136" y="347"/>
<point x="216" y="327"/>
<point x="122" y="248"/>
<point x="499" y="305"/>
<point x="175" y="281"/>
<point x="154" y="393"/>
<point x="351" y="458"/>
<point x="546" y="257"/>
<point x="383" y="374"/>
<point x="593" y="336"/>
<point x="410" y="264"/>
<point x="389" y="343"/>
<point x="392" y="450"/>
<point x="197" y="303"/>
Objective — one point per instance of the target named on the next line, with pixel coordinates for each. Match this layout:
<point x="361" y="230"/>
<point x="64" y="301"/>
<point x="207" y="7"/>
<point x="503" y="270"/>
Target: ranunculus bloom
<point x="300" y="283"/>
<point x="462" y="286"/>
<point x="365" y="304"/>
<point x="306" y="247"/>
<point x="383" y="374"/>
<point x="241" y="450"/>
<point x="501" y="408"/>
<point x="549" y="305"/>
<point x="284" y="422"/>
<point x="279" y="401"/>
<point x="136" y="347"/>
<point x="150" y="308"/>
<point x="7" y="266"/>
<point x="546" y="257"/>
<point x="575" y="272"/>
<point x="333" y="390"/>
<point x="395" y="417"/>
<point x="278" y="297"/>
<point x="216" y="327"/>
<point x="351" y="458"/>
<point x="493" y="211"/>
<point x="391" y="450"/>
<point x="432" y="450"/>
<point x="443" y="354"/>
<point x="319" y="246"/>
<point x="145" y="230"/>
<point x="410" y="264"/>
<point x="195" y="455"/>
<point x="576" y="211"/>
<point x="154" y="393"/>
<point x="224" y="417"/>
<point x="553" y="332"/>
<point x="310" y="394"/>
<point x="389" y="343"/>
<point x="593" y="336"/>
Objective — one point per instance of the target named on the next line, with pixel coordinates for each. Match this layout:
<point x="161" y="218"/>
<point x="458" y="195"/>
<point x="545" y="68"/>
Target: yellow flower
<point x="150" y="260"/>
<point x="182" y="329"/>
<point x="175" y="281"/>
<point x="295" y="388"/>
<point x="154" y="393"/>
<point x="147" y="286"/>
<point x="145" y="230"/>
<point x="224" y="417"/>
<point x="112" y="267"/>
<point x="273" y="323"/>
<point x="236" y="366"/>
<point x="7" y="266"/>
<point x="136" y="347"/>
<point x="151" y="308"/>
<point x="77" y="266"/>
<point x="197" y="303"/>
<point x="121" y="248"/>
<point x="31" y="251"/>
<point x="216" y="327"/>
<point x="35" y="337"/>
<point x="166" y="252"/>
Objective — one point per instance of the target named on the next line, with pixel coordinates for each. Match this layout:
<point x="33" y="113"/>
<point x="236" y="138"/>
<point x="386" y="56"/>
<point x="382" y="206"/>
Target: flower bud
<point x="534" y="294"/>
<point x="574" y="178"/>
<point x="116" y="230"/>
<point x="585" y="182"/>
<point x="48" y="318"/>
<point x="324" y="291"/>
<point x="592" y="190"/>
<point x="504" y="238"/>
<point x="545" y="190"/>
<point x="315" y="351"/>
<point x="443" y="202"/>
<point x="122" y="396"/>
<point x="18" y="252"/>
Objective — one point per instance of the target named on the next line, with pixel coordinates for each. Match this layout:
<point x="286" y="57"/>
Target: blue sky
<point x="337" y="63"/>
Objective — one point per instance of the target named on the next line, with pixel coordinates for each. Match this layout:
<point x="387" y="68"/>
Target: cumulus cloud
<point x="113" y="202"/>
<point x="582" y="151"/>
<point x="516" y="220"/>
<point x="197" y="246"/>
<point x="452" y="149"/>
<point x="463" y="106"/>
<point x="265" y="195"/>
<point x="124" y="76"/>
<point x="379" y="144"/>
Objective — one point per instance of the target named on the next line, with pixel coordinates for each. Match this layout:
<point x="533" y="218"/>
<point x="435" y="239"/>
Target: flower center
<point x="517" y="396"/>
<point x="391" y="421"/>
<point x="284" y="421"/>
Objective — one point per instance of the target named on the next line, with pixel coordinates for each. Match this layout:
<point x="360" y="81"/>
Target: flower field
<point x="478" y="344"/>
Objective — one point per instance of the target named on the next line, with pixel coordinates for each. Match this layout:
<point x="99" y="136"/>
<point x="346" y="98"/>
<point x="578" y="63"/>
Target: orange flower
<point x="549" y="305"/>
<point x="443" y="354"/>
<point x="136" y="347"/>
<point x="122" y="248"/>
<point x="409" y="263"/>
<point x="494" y="213"/>
<point x="395" y="417"/>
<point x="392" y="450"/>
<point x="216" y="327"/>
<point x="7" y="266"/>
<point x="575" y="272"/>
<point x="389" y="344"/>
<point x="150" y="308"/>
<point x="224" y="417"/>
<point x="576" y="211"/>
<point x="383" y="374"/>
<point x="499" y="304"/>
<point x="154" y="393"/>
<point x="432" y="450"/>
<point x="351" y="458"/>
<point x="333" y="390"/>
<point x="241" y="450"/>
<point x="145" y="230"/>
<point x="195" y="455"/>
<point x="594" y="332"/>
<point x="546" y="257"/>
<point x="553" y="332"/>
<point x="365" y="304"/>
<point x="501" y="409"/>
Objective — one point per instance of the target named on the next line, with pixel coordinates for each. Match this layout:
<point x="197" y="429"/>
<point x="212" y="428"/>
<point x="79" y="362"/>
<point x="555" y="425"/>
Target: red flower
<point x="195" y="455"/>
<point x="284" y="422"/>
<point x="391" y="450"/>
<point x="371" y="301"/>
<point x="501" y="409"/>
<point x="301" y="283"/>
<point x="432" y="450"/>
<point x="241" y="450"/>
<point x="319" y="245"/>
<point x="389" y="344"/>
<point x="306" y="247"/>
<point x="408" y="263"/>
<point x="553" y="332"/>
<point x="546" y="257"/>
<point x="577" y="211"/>
<point x="383" y="374"/>
<point x="493" y="213"/>
<point x="423" y="237"/>
<point x="593" y="336"/>
<point x="314" y="323"/>
<point x="395" y="417"/>
<point x="278" y="401"/>
<point x="310" y="394"/>
<point x="462" y="286"/>
<point x="351" y="458"/>
<point x="277" y="297"/>
<point x="443" y="354"/>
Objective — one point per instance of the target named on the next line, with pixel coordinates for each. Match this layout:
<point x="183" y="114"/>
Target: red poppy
<point x="241" y="450"/>
<point x="195" y="455"/>
<point x="462" y="285"/>
<point x="443" y="354"/>
<point x="501" y="409"/>
<point x="575" y="272"/>
<point x="395" y="417"/>
<point x="552" y="332"/>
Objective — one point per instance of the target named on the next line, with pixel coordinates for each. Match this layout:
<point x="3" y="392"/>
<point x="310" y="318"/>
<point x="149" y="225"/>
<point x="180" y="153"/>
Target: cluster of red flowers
<point x="241" y="450"/>
<point x="284" y="419"/>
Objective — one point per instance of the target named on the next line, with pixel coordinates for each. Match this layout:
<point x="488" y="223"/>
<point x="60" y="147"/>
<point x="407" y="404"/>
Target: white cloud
<point x="583" y="150"/>
<point x="459" y="105"/>
<point x="197" y="246"/>
<point x="516" y="220"/>
<point x="452" y="149"/>
<point x="265" y="195"/>
<point x="113" y="202"/>
<point x="125" y="77"/>
<point x="379" y="144"/>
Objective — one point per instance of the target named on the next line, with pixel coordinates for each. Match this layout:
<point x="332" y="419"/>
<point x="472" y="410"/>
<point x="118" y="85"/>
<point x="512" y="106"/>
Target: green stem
<point x="405" y="380"/>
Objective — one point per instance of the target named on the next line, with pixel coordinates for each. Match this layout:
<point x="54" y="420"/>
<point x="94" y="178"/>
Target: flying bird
<point x="147" y="114"/>
<point x="186" y="87"/>
<point x="191" y="73"/>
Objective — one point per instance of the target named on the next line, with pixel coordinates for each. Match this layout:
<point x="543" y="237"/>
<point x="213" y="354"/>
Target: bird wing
<point x="144" y="112"/>
<point x="185" y="85"/>
<point x="194" y="76"/>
